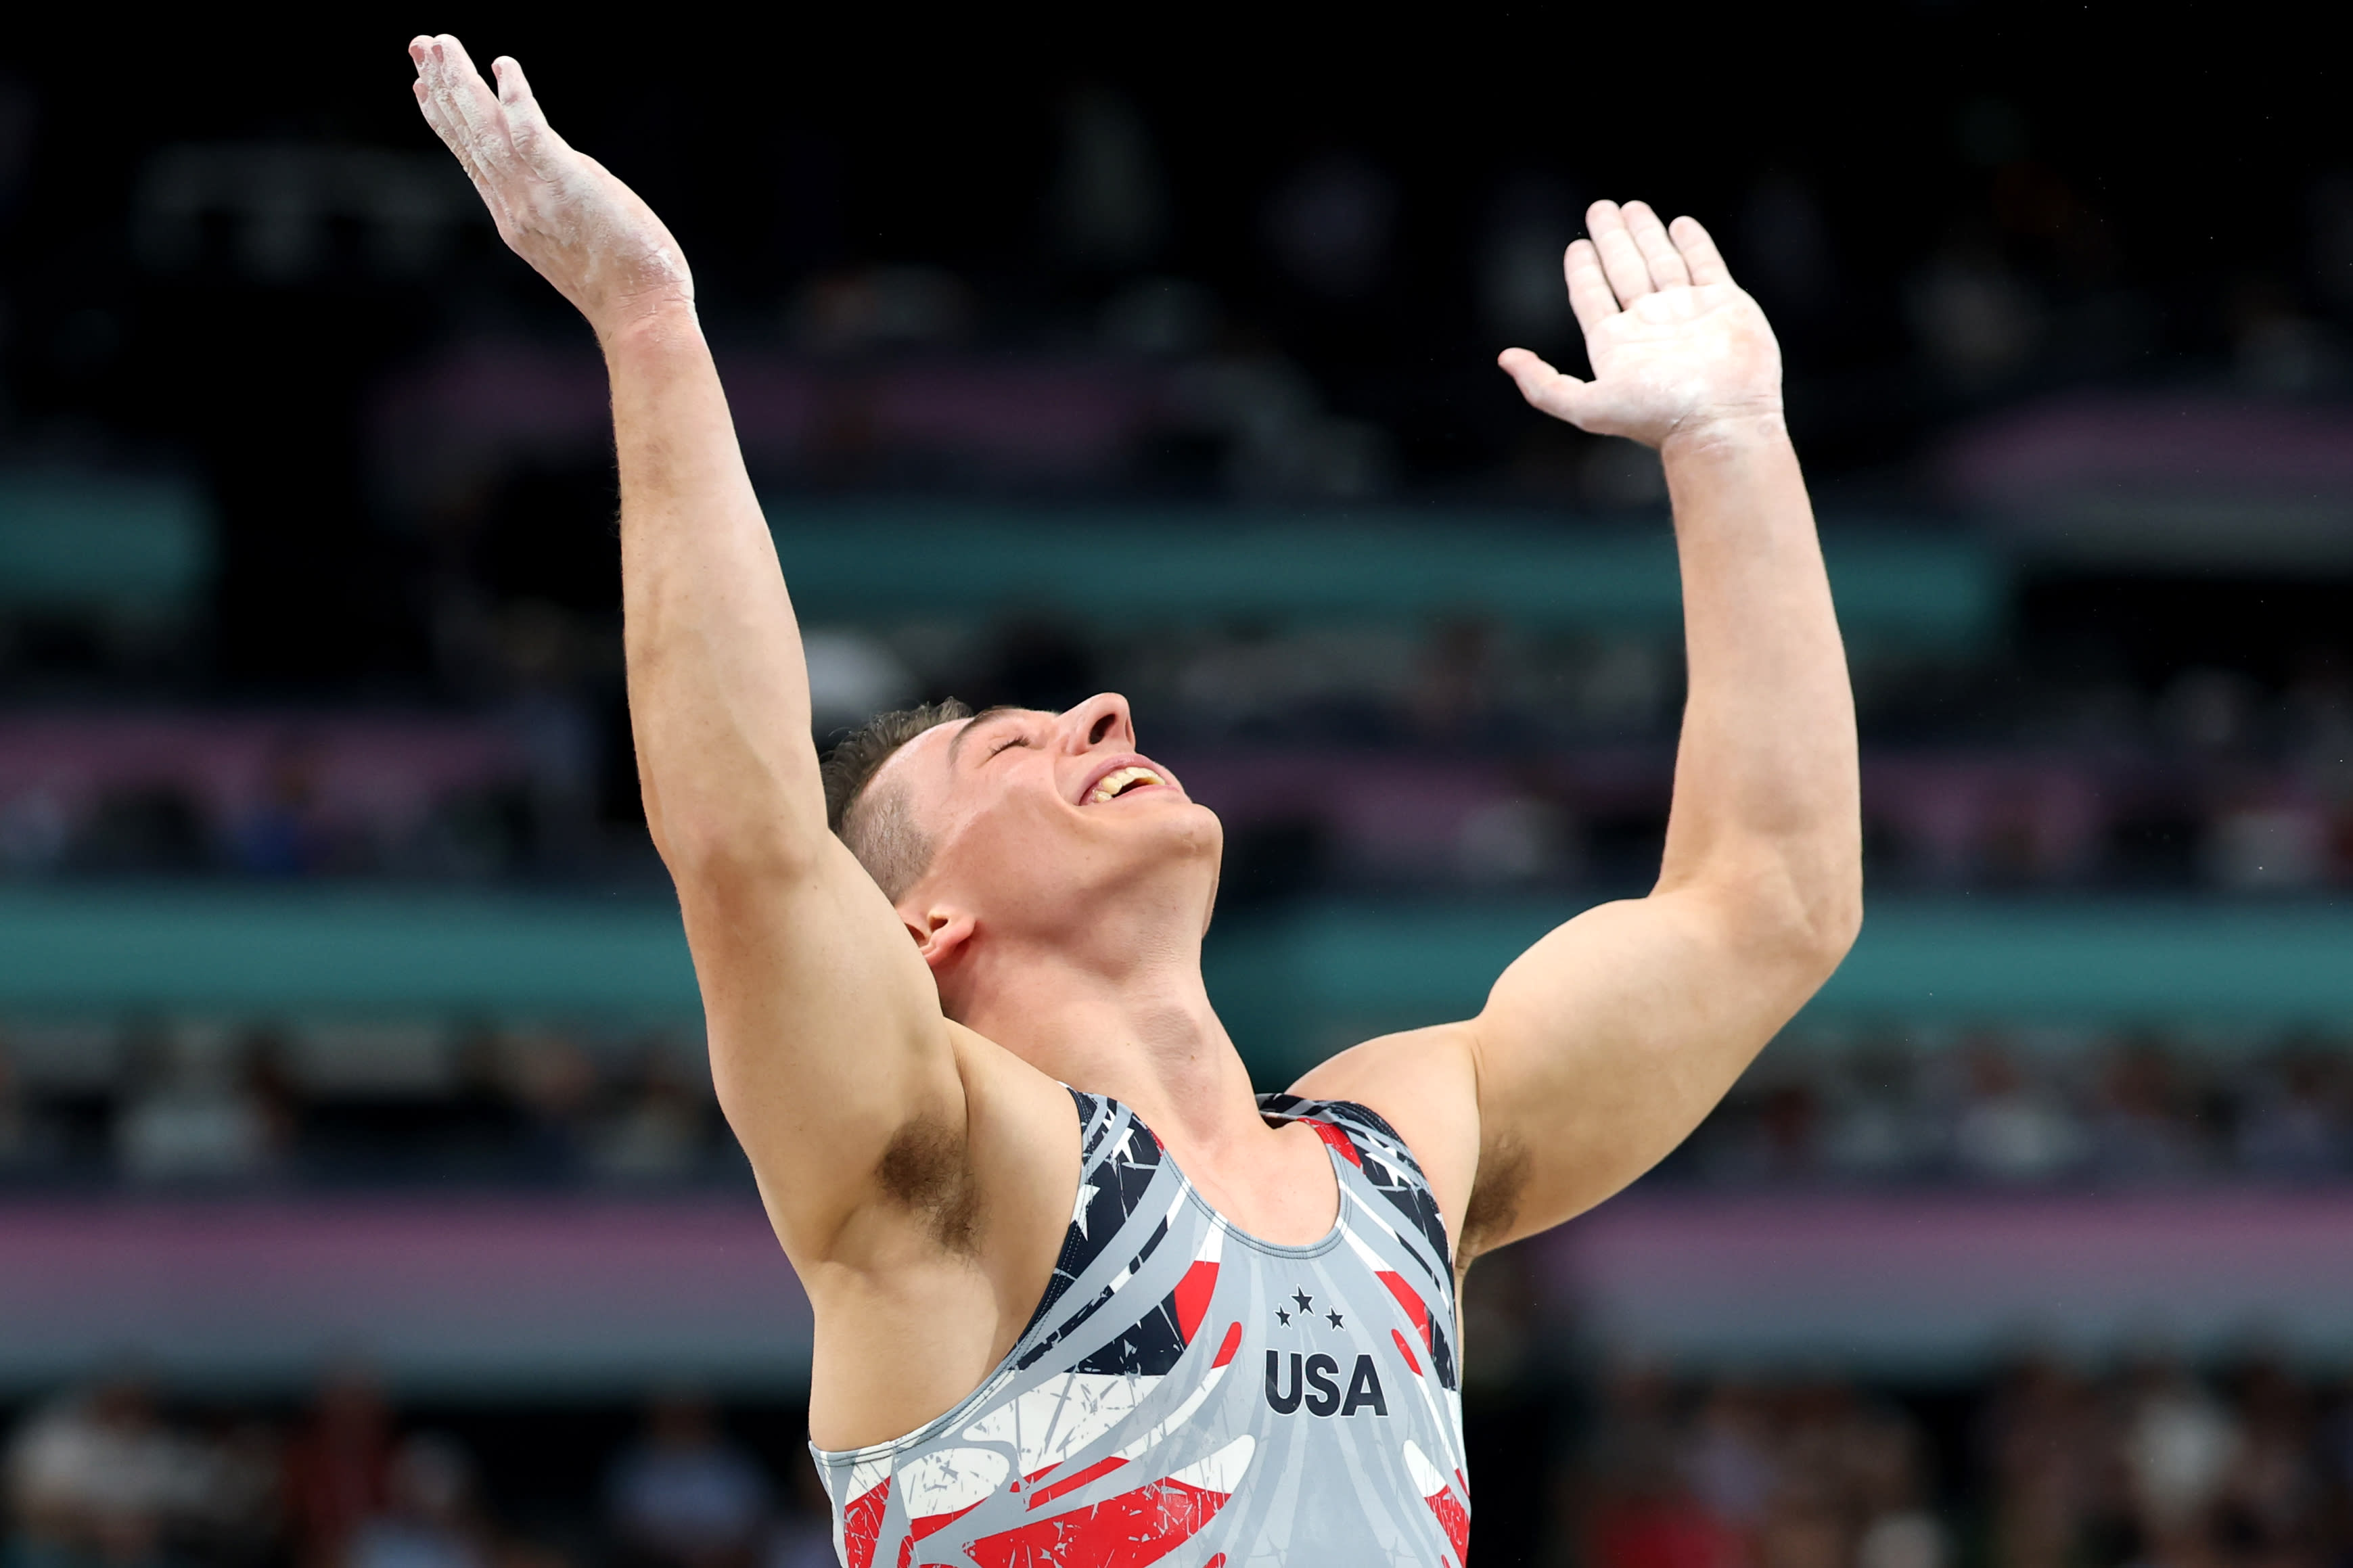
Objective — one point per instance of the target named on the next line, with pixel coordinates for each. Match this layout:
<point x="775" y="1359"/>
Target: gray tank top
<point x="1186" y="1393"/>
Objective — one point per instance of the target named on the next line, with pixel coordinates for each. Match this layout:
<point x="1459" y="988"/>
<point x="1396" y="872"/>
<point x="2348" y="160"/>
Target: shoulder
<point x="1417" y="1090"/>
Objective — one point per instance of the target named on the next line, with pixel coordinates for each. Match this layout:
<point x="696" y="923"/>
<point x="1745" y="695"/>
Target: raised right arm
<point x="827" y="1038"/>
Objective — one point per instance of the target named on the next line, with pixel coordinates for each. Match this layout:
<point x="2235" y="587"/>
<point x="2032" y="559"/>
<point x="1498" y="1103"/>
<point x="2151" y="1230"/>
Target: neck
<point x="1140" y="1029"/>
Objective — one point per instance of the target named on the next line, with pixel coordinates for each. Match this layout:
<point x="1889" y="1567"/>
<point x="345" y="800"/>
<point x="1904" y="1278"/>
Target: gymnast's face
<point x="1053" y="828"/>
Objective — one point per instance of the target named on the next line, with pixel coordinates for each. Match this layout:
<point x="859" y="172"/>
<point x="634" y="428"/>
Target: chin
<point x="1196" y="827"/>
<point x="1182" y="845"/>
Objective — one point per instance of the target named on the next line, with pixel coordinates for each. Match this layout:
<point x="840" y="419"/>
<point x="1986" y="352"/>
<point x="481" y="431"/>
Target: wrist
<point x="1727" y="431"/>
<point x="648" y="328"/>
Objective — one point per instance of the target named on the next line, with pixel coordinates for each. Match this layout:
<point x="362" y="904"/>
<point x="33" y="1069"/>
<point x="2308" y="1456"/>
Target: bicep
<point x="827" y="1038"/>
<point x="1603" y="1046"/>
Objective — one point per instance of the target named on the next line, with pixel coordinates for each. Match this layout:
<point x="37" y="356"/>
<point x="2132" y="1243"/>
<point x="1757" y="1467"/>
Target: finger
<point x="514" y="90"/>
<point x="1621" y="262"/>
<point x="434" y="98"/>
<point x="1589" y="290"/>
<point x="471" y="102"/>
<point x="1699" y="252"/>
<point x="1659" y="253"/>
<point x="526" y="123"/>
<point x="1545" y="389"/>
<point x="443" y="91"/>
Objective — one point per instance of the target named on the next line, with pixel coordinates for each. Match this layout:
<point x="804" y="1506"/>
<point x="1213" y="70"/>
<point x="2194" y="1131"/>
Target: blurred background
<point x="363" y="1200"/>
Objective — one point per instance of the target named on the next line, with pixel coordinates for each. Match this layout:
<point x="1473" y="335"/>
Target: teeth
<point x="1120" y="779"/>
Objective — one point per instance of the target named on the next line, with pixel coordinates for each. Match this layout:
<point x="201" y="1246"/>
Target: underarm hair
<point x="928" y="1169"/>
<point x="1495" y="1194"/>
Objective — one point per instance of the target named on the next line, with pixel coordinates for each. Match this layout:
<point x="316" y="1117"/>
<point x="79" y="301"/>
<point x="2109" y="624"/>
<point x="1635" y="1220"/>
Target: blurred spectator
<point x="97" y="1475"/>
<point x="1732" y="1462"/>
<point x="34" y="832"/>
<point x="880" y="308"/>
<point x="1976" y="320"/>
<point x="1876" y="1129"/>
<point x="2041" y="1456"/>
<point x="1636" y="1508"/>
<point x="555" y="1085"/>
<point x="204" y="1109"/>
<point x="685" y="1497"/>
<point x="2178" y="1447"/>
<point x="281" y="836"/>
<point x="852" y="677"/>
<point x="2145" y="1128"/>
<point x="482" y="1128"/>
<point x="661" y="1131"/>
<point x="542" y="650"/>
<point x="2293" y="1124"/>
<point x="2272" y="1498"/>
<point x="2268" y="846"/>
<point x="430" y="1517"/>
<point x="2007" y="1127"/>
<point x="1804" y="1475"/>
<point x="145" y="829"/>
<point x="339" y="1469"/>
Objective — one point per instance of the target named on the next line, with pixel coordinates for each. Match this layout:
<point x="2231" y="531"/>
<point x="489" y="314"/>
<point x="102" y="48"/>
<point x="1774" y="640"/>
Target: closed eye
<point x="1008" y="745"/>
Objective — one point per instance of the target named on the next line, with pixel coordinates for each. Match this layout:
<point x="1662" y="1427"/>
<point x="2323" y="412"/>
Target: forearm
<point x="718" y="689"/>
<point x="1766" y="799"/>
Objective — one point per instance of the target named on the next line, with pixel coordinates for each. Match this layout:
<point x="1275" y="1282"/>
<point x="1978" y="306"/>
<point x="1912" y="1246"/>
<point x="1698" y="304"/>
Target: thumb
<point x="1562" y="397"/>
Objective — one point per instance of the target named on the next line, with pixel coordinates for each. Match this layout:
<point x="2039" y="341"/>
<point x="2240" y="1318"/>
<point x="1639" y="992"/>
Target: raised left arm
<point x="1602" y="1047"/>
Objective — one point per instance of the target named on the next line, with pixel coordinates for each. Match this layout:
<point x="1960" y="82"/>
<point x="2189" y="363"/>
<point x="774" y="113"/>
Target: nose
<point x="1101" y="719"/>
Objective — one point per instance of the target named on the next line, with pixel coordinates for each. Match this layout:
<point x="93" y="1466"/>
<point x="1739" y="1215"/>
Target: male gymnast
<point x="1081" y="1298"/>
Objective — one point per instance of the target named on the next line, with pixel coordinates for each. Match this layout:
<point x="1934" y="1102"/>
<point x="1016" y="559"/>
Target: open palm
<point x="1676" y="345"/>
<point x="561" y="211"/>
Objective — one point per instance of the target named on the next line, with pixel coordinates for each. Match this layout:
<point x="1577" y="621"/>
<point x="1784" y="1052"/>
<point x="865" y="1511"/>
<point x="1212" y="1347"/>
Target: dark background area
<point x="2154" y="187"/>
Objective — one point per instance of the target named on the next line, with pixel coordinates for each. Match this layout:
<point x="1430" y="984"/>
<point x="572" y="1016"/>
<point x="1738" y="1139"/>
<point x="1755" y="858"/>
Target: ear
<point x="940" y="933"/>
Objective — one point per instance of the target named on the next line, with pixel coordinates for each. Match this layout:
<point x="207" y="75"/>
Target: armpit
<point x="1495" y="1194"/>
<point x="927" y="1170"/>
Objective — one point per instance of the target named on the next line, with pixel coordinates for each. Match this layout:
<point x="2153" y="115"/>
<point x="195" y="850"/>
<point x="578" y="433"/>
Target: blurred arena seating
<point x="361" y="1031"/>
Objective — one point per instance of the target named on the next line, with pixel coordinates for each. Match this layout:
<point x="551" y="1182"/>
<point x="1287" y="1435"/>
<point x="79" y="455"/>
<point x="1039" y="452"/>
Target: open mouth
<point x="1121" y="781"/>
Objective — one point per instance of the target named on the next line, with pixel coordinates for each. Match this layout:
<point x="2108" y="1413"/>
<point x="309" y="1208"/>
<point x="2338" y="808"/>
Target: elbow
<point x="1835" y="921"/>
<point x="1822" y="916"/>
<point x="1799" y="915"/>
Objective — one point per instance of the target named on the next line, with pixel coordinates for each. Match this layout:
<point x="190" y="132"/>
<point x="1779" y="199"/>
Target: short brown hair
<point x="881" y="831"/>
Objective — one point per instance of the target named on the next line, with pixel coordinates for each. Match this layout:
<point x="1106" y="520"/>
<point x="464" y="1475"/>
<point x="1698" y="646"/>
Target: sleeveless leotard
<point x="1188" y="1393"/>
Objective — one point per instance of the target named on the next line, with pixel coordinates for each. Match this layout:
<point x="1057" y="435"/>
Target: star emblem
<point x="1335" y="1317"/>
<point x="1303" y="1299"/>
<point x="1282" y="1317"/>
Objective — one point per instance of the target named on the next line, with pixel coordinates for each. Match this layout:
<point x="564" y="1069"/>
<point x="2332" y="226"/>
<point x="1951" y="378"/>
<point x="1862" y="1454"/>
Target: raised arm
<point x="826" y="1034"/>
<point x="1603" y="1046"/>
